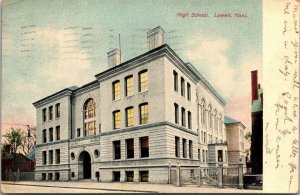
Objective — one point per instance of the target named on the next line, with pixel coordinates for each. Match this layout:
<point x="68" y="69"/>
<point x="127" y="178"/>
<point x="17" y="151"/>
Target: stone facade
<point x="183" y="120"/>
<point x="235" y="141"/>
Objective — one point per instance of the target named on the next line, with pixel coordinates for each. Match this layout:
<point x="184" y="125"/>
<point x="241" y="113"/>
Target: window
<point x="57" y="132"/>
<point x="204" y="137"/>
<point x="51" y="134"/>
<point x="129" y="117"/>
<point x="44" y="116"/>
<point x="144" y="115"/>
<point x="73" y="174"/>
<point x="190" y="149"/>
<point x="130" y="148"/>
<point x="184" y="148"/>
<point x="215" y="120"/>
<point x="144" y="145"/>
<point x="129" y="176"/>
<point x="129" y="86"/>
<point x="117" y="119"/>
<point x="72" y="155"/>
<point x="56" y="176"/>
<point x="78" y="132"/>
<point x="220" y="125"/>
<point x="201" y="136"/>
<point x="209" y="117"/>
<point x="203" y="114"/>
<point x="44" y="157"/>
<point x="50" y="176"/>
<point x="90" y="128"/>
<point x="116" y="176"/>
<point x="43" y="176"/>
<point x="182" y="87"/>
<point x="189" y="120"/>
<point x="220" y="156"/>
<point x="117" y="149"/>
<point x="175" y="80"/>
<point x="144" y="175"/>
<point x="44" y="136"/>
<point x="199" y="153"/>
<point x="89" y="109"/>
<point x="116" y="90"/>
<point x="50" y="157"/>
<point x="50" y="112"/>
<point x="176" y="113"/>
<point x="188" y="91"/>
<point x="206" y="156"/>
<point x="96" y="153"/>
<point x="183" y="117"/>
<point x="143" y="81"/>
<point x="57" y="156"/>
<point x="203" y="156"/>
<point x="57" y="110"/>
<point x="177" y="142"/>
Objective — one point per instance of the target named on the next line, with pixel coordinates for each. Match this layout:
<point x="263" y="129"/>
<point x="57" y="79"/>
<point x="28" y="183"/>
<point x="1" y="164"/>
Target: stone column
<point x="122" y="176"/>
<point x="220" y="175"/>
<point x="199" y="172"/>
<point x="136" y="176"/>
<point x="241" y="182"/>
<point x="169" y="174"/>
<point x="178" y="176"/>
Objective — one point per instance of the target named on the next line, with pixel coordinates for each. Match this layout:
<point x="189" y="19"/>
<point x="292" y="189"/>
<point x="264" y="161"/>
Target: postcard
<point x="150" y="96"/>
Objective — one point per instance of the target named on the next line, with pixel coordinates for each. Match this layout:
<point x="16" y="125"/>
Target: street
<point x="96" y="187"/>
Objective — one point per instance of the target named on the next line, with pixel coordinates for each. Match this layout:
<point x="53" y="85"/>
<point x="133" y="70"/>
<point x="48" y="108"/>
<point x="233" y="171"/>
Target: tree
<point x="29" y="141"/>
<point x="248" y="137"/>
<point x="19" y="141"/>
<point x="14" y="139"/>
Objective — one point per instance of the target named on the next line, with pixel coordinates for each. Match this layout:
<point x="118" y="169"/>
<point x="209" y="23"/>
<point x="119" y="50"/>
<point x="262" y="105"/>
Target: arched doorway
<point x="84" y="165"/>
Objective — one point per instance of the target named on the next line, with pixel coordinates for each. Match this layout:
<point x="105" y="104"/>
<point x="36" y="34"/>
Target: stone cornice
<point x="148" y="126"/>
<point x="88" y="87"/>
<point x="53" y="97"/>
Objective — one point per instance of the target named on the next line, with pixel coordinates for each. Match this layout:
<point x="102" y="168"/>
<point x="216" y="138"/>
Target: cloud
<point x="67" y="60"/>
<point x="209" y="55"/>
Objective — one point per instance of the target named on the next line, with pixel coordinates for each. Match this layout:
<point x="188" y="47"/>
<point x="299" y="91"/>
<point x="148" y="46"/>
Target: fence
<point x="207" y="176"/>
<point x="18" y="176"/>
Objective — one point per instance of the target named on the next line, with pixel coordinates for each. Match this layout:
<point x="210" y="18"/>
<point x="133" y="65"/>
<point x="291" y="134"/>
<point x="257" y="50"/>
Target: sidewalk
<point x="126" y="187"/>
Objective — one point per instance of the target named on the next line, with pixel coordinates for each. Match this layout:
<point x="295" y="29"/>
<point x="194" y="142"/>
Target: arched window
<point x="89" y="117"/>
<point x="215" y="120"/>
<point x="202" y="111"/>
<point x="209" y="116"/>
<point x="220" y="124"/>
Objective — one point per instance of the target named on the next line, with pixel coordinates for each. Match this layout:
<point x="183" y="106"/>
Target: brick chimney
<point x="155" y="37"/>
<point x="254" y="85"/>
<point x="114" y="58"/>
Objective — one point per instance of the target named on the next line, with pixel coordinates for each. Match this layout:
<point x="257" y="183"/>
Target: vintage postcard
<point x="150" y="96"/>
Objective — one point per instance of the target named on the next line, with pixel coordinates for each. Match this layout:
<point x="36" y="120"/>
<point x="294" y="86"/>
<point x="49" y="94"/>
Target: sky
<point x="48" y="45"/>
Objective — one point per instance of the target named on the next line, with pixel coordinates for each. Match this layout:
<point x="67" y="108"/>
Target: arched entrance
<point x="84" y="165"/>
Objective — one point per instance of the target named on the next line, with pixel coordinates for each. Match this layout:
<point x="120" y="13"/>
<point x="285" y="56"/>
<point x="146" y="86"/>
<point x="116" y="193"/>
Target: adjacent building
<point x="256" y="148"/>
<point x="235" y="141"/>
<point x="132" y="122"/>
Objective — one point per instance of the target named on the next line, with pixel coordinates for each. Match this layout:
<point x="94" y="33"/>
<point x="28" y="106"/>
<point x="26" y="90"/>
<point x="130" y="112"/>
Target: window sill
<point x="57" y="118"/>
<point x="142" y="92"/>
<point x="116" y="100"/>
<point x="128" y="97"/>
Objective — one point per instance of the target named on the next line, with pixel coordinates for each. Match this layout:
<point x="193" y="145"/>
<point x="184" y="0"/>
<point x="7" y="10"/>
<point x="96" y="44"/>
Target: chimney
<point x="155" y="37"/>
<point x="254" y="84"/>
<point x="114" y="58"/>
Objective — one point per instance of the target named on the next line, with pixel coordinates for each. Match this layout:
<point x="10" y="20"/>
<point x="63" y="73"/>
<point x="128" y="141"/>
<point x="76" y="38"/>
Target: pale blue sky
<point x="49" y="45"/>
